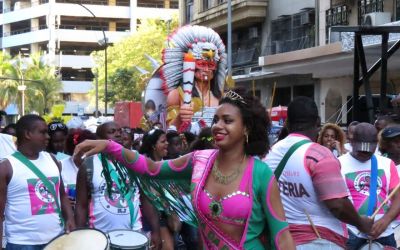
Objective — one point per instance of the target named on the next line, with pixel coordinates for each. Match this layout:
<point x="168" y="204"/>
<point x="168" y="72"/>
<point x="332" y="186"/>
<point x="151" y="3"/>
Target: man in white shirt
<point x="370" y="178"/>
<point x="36" y="209"/>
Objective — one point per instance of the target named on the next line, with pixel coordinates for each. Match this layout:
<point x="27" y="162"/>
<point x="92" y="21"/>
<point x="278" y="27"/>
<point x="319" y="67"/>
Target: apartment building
<point x="69" y="30"/>
<point x="295" y="52"/>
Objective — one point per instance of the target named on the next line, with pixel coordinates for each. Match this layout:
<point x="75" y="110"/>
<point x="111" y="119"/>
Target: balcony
<point x="23" y="5"/>
<point x="292" y="32"/>
<point x="244" y="13"/>
<point x="24" y="30"/>
<point x="95" y="2"/>
<point x="157" y="4"/>
<point x="77" y="87"/>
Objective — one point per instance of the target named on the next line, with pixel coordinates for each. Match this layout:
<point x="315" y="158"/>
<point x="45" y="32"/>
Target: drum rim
<point x="378" y="244"/>
<point x="127" y="230"/>
<point x="80" y="229"/>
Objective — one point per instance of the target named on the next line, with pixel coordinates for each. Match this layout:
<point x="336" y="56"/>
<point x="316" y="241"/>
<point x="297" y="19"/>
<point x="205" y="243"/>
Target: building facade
<point x="296" y="52"/>
<point x="68" y="31"/>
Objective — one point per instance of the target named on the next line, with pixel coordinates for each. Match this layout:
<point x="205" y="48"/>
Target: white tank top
<point x="108" y="214"/>
<point x="7" y="145"/>
<point x="297" y="190"/>
<point x="31" y="215"/>
<point x="68" y="173"/>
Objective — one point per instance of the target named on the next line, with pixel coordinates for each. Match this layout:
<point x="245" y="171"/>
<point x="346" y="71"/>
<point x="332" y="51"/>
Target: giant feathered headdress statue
<point x="194" y="40"/>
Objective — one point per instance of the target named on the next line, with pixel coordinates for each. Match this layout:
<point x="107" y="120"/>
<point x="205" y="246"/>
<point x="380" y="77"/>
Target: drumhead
<point x="80" y="239"/>
<point x="127" y="239"/>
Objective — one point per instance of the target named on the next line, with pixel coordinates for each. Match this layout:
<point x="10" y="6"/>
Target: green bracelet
<point x="134" y="160"/>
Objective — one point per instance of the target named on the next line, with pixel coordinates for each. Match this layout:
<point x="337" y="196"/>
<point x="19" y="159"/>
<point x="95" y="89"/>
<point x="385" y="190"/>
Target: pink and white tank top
<point x="297" y="187"/>
<point x="30" y="209"/>
<point x="106" y="212"/>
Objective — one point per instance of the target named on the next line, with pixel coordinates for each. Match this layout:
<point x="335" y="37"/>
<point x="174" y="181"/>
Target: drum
<point x="127" y="239"/>
<point x="80" y="239"/>
<point x="376" y="246"/>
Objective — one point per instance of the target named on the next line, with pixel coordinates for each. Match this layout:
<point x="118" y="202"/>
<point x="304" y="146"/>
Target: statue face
<point x="205" y="69"/>
<point x="203" y="75"/>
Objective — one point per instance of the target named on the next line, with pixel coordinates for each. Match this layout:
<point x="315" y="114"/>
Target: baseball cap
<point x="364" y="138"/>
<point x="364" y="146"/>
<point x="390" y="132"/>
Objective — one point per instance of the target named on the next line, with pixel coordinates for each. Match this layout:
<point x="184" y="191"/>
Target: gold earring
<point x="247" y="138"/>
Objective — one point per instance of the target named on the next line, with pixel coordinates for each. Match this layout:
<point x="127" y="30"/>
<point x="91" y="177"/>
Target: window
<point x="66" y="97"/>
<point x="282" y="96"/>
<point x="368" y="6"/>
<point x="189" y="11"/>
<point x="207" y="4"/>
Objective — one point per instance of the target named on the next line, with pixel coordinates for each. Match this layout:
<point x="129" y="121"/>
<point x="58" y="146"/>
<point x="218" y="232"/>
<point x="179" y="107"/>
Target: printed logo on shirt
<point x="114" y="203"/>
<point x="293" y="189"/>
<point x="42" y="201"/>
<point x="362" y="183"/>
<point x="358" y="184"/>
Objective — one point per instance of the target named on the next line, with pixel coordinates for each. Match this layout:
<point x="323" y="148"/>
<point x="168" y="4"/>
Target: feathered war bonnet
<point x="194" y="39"/>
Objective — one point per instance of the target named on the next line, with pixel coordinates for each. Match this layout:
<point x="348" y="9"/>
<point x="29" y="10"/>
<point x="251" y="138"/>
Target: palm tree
<point x="42" y="85"/>
<point x="45" y="83"/>
<point x="11" y="77"/>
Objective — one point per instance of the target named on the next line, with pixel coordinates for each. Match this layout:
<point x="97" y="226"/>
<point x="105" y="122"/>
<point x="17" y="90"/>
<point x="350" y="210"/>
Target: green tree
<point x="124" y="81"/>
<point x="5" y="70"/>
<point x="45" y="83"/>
<point x="13" y="77"/>
<point x="124" y="86"/>
<point x="42" y="86"/>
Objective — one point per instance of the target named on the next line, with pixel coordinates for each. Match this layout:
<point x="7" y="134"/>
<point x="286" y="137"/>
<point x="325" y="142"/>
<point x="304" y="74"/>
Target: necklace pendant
<point x="215" y="208"/>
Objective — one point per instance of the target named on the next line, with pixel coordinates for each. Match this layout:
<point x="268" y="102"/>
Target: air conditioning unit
<point x="253" y="32"/>
<point x="376" y="18"/>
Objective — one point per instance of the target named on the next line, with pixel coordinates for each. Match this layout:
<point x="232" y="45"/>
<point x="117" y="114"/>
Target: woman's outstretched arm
<point x="180" y="167"/>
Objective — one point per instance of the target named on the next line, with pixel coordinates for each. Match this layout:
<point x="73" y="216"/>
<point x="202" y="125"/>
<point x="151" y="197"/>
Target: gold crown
<point x="234" y="96"/>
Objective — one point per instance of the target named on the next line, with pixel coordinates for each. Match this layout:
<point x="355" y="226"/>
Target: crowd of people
<point x="226" y="188"/>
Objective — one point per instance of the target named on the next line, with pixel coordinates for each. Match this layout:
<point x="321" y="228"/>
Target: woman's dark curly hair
<point x="78" y="136"/>
<point x="255" y="119"/>
<point x="149" y="141"/>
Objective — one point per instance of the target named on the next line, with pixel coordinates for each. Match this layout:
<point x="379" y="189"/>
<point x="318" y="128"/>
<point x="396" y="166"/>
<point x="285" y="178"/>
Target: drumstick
<point x="386" y="200"/>
<point x="312" y="224"/>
